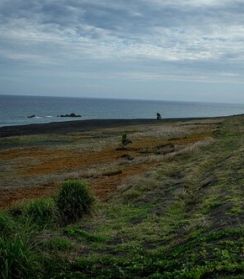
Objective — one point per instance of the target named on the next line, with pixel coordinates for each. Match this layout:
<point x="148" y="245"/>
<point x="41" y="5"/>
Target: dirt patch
<point x="9" y="197"/>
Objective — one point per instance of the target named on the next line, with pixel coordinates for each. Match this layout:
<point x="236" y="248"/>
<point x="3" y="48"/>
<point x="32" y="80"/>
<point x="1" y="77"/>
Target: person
<point x="159" y="117"/>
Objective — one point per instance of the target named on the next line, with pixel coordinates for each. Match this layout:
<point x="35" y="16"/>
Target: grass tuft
<point x="7" y="224"/>
<point x="41" y="211"/>
<point x="73" y="201"/>
<point x="16" y="258"/>
<point x="58" y="244"/>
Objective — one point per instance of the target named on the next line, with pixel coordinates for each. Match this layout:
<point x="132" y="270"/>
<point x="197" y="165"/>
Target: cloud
<point x="183" y="36"/>
<point x="193" y="3"/>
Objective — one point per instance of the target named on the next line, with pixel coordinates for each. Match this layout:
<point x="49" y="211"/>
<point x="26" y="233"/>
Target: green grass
<point x="168" y="224"/>
<point x="17" y="259"/>
<point x="7" y="224"/>
<point x="41" y="211"/>
<point x="79" y="234"/>
<point x="57" y="244"/>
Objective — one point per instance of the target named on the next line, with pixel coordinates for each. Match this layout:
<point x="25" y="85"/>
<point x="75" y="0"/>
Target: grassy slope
<point x="184" y="220"/>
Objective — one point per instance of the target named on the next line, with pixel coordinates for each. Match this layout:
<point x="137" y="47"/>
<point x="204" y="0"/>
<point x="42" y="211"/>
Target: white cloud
<point x="37" y="39"/>
<point x="164" y="43"/>
<point x="193" y="3"/>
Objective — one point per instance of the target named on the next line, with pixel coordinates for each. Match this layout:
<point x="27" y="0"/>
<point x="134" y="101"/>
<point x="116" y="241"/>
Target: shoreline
<point x="85" y="125"/>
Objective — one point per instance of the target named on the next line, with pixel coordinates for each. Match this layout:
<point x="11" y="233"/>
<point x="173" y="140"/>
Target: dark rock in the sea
<point x="31" y="116"/>
<point x="70" y="115"/>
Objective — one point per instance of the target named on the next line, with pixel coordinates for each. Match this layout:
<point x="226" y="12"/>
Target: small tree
<point x="124" y="140"/>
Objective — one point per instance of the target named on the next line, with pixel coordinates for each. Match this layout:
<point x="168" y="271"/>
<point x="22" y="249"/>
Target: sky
<point x="190" y="50"/>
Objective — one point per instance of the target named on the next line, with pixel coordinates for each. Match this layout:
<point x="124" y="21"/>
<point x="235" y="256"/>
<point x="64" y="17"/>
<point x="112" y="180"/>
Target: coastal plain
<point x="168" y="205"/>
<point x="35" y="164"/>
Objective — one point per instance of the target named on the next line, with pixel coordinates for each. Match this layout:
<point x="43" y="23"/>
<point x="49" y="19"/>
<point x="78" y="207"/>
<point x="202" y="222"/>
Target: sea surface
<point x="14" y="110"/>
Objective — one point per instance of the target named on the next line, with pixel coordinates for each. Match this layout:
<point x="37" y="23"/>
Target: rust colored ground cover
<point x="28" y="163"/>
<point x="102" y="186"/>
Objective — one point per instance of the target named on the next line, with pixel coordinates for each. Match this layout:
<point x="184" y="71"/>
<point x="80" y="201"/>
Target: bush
<point x="73" y="201"/>
<point x="40" y="211"/>
<point x="124" y="140"/>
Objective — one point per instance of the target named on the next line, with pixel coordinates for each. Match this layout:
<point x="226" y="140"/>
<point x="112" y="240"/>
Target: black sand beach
<point x="79" y="126"/>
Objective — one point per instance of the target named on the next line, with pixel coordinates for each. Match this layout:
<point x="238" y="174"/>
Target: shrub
<point x="40" y="211"/>
<point x="73" y="201"/>
<point x="124" y="140"/>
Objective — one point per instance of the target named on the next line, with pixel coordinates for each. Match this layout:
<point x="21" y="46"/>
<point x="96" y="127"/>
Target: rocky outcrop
<point x="31" y="116"/>
<point x="70" y="115"/>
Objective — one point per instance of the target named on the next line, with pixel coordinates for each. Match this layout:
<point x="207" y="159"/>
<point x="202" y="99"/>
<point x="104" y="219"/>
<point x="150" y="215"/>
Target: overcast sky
<point x="190" y="50"/>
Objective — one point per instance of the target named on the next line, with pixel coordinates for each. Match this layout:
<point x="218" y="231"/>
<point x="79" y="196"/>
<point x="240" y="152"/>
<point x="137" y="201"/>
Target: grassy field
<point x="170" y="205"/>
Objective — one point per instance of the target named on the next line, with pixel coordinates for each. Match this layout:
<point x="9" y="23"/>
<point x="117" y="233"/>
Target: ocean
<point x="14" y="110"/>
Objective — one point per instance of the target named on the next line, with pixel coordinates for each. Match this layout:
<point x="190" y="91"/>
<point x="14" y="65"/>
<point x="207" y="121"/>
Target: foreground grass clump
<point x="21" y="229"/>
<point x="17" y="259"/>
<point x="17" y="256"/>
<point x="73" y="201"/>
<point x="41" y="211"/>
<point x="7" y="225"/>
